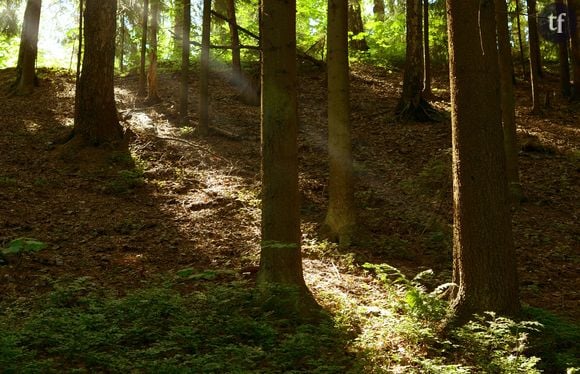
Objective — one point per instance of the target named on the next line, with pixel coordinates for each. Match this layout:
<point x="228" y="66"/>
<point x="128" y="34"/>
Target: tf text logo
<point x="556" y="22"/>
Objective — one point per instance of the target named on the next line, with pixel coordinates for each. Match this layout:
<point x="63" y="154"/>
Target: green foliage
<point x="125" y="181"/>
<point x="497" y="344"/>
<point x="23" y="245"/>
<point x="216" y="330"/>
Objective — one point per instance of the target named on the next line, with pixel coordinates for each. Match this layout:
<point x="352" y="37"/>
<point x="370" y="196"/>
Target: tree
<point x="341" y="215"/>
<point x="204" y="70"/>
<point x="484" y="263"/>
<point x="575" y="47"/>
<point x="565" y="88"/>
<point x="508" y="101"/>
<point x="142" y="75"/>
<point x="178" y="27"/>
<point x="520" y="42"/>
<point x="152" y="91"/>
<point x="183" y="102"/>
<point x="426" y="52"/>
<point x="534" y="54"/>
<point x="235" y="38"/>
<point x="412" y="105"/>
<point x="379" y="9"/>
<point x="96" y="118"/>
<point x="280" y="255"/>
<point x="26" y="69"/>
<point x="356" y="27"/>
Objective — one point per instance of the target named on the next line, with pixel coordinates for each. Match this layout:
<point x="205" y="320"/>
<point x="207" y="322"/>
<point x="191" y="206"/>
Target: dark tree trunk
<point x="280" y="256"/>
<point x="379" y="9"/>
<point x="520" y="42"/>
<point x="426" y="52"/>
<point x="26" y="68"/>
<point x="204" y="70"/>
<point x="534" y="53"/>
<point x="565" y="88"/>
<point x="142" y="73"/>
<point x="122" y="45"/>
<point x="184" y="98"/>
<point x="178" y="28"/>
<point x="235" y="38"/>
<point x="575" y="47"/>
<point x="484" y="263"/>
<point x="341" y="215"/>
<point x="152" y="90"/>
<point x="508" y="101"/>
<point x="355" y="26"/>
<point x="96" y="118"/>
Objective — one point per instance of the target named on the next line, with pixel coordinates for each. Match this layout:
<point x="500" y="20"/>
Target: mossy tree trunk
<point x="534" y="54"/>
<point x="184" y="96"/>
<point x="142" y="67"/>
<point x="204" y="70"/>
<point x="152" y="88"/>
<point x="508" y="101"/>
<point x="341" y="215"/>
<point x="484" y="263"/>
<point x="26" y="69"/>
<point x="96" y="118"/>
<point x="280" y="256"/>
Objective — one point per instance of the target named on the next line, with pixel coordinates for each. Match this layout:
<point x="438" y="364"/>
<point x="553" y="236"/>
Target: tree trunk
<point x="236" y="60"/>
<point x="122" y="45"/>
<point x="508" y="101"/>
<point x="341" y="215"/>
<point x="355" y="26"/>
<point x="152" y="94"/>
<point x="426" y="52"/>
<point x="575" y="47"/>
<point x="534" y="53"/>
<point x="178" y="28"/>
<point x="484" y="264"/>
<point x="412" y="106"/>
<point x="520" y="42"/>
<point x="96" y="118"/>
<point x="204" y="70"/>
<point x="184" y="100"/>
<point x="142" y="75"/>
<point x="565" y="88"/>
<point x="280" y="255"/>
<point x="26" y="68"/>
<point x="379" y="9"/>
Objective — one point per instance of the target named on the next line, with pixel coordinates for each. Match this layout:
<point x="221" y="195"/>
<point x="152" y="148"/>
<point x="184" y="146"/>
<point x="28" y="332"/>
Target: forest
<point x="287" y="186"/>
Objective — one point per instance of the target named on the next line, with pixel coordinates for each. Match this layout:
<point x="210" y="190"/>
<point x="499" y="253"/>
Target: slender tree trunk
<point x="26" y="69"/>
<point x="184" y="100"/>
<point x="152" y="94"/>
<point x="575" y="47"/>
<point x="280" y="256"/>
<point x="565" y="88"/>
<point x="122" y="45"/>
<point x="235" y="38"/>
<point x="80" y="50"/>
<point x="96" y="118"/>
<point x="483" y="255"/>
<point x="534" y="53"/>
<point x="356" y="26"/>
<point x="520" y="42"/>
<point x="178" y="28"/>
<point x="142" y="74"/>
<point x="508" y="101"/>
<point x="204" y="70"/>
<point x="379" y="9"/>
<point x="426" y="52"/>
<point x="341" y="215"/>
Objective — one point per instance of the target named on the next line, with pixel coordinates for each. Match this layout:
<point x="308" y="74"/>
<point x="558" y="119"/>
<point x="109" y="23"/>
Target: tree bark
<point x="575" y="47"/>
<point x="122" y="45"/>
<point x="564" y="64"/>
<point x="142" y="74"/>
<point x="484" y="264"/>
<point x="26" y="69"/>
<point x="379" y="9"/>
<point x="235" y="38"/>
<point x="534" y="53"/>
<point x="184" y="97"/>
<point x="96" y="118"/>
<point x="280" y="255"/>
<point x="426" y="52"/>
<point x="508" y="101"/>
<point x="341" y="215"/>
<point x="152" y="89"/>
<point x="356" y="26"/>
<point x="204" y="70"/>
<point x="178" y="28"/>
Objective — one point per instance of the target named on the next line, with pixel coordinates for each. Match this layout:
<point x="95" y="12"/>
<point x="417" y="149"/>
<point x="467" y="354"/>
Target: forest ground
<point x="191" y="203"/>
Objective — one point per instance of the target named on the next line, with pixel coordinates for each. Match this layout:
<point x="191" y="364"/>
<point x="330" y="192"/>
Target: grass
<point x="201" y="325"/>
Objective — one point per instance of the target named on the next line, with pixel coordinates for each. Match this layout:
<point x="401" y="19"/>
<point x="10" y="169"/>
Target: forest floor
<point x="191" y="203"/>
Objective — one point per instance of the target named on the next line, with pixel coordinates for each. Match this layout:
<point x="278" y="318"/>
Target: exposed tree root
<point x="421" y="112"/>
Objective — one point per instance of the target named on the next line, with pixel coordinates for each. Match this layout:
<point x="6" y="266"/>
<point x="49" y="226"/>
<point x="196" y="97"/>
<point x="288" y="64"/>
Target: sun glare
<point x="56" y="38"/>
